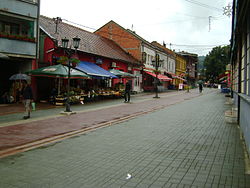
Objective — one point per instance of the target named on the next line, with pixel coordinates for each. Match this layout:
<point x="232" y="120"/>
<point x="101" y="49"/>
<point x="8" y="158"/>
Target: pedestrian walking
<point x="127" y="92"/>
<point x="200" y="87"/>
<point x="27" y="96"/>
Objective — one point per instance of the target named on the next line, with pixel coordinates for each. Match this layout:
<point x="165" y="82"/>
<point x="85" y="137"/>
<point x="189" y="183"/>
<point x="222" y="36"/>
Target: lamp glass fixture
<point x="65" y="42"/>
<point x="76" y="42"/>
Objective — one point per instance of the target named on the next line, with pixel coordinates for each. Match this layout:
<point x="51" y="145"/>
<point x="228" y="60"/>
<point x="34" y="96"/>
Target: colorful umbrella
<point x="19" y="76"/>
<point x="58" y="71"/>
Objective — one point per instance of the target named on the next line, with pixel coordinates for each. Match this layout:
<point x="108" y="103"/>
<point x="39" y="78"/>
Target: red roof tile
<point x="90" y="42"/>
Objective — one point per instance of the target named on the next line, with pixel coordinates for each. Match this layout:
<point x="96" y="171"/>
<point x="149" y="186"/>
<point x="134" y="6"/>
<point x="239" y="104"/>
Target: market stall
<point x="60" y="73"/>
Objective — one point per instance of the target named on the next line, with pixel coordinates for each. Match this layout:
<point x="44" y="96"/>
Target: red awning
<point x="159" y="76"/>
<point x="175" y="76"/>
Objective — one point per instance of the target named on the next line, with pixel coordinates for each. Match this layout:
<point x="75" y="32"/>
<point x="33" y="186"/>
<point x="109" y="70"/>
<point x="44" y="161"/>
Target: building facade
<point x="136" y="46"/>
<point x="240" y="65"/>
<point x="93" y="49"/>
<point x="18" y="39"/>
<point x="180" y="69"/>
<point x="191" y="67"/>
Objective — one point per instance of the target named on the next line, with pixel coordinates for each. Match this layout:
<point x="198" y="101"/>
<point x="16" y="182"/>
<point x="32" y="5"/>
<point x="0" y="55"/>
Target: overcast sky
<point x="182" y="23"/>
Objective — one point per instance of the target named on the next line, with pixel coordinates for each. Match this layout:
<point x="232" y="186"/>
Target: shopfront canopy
<point x="159" y="76"/>
<point x="174" y="76"/>
<point x="58" y="71"/>
<point x="94" y="70"/>
<point x="121" y="74"/>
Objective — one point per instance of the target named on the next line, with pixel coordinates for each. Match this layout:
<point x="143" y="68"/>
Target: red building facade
<point x="93" y="48"/>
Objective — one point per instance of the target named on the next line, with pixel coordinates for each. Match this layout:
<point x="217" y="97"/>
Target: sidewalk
<point x="186" y="145"/>
<point x="50" y="123"/>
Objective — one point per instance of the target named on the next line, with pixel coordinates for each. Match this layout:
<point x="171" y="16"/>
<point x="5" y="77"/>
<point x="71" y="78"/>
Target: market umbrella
<point x="19" y="76"/>
<point x="58" y="71"/>
<point x="121" y="73"/>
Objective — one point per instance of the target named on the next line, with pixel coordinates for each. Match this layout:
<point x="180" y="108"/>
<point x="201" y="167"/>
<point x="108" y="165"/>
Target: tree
<point x="215" y="62"/>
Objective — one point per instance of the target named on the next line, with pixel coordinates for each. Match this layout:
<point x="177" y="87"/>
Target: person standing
<point x="127" y="92"/>
<point x="200" y="87"/>
<point x="27" y="96"/>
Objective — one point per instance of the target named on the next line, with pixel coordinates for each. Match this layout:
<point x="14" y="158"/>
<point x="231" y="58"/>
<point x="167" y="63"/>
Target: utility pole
<point x="209" y="23"/>
<point x="157" y="63"/>
<point x="188" y="80"/>
<point x="57" y="20"/>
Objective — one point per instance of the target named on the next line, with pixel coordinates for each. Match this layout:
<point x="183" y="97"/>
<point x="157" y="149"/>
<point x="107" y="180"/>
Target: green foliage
<point x="63" y="60"/>
<point x="215" y="62"/>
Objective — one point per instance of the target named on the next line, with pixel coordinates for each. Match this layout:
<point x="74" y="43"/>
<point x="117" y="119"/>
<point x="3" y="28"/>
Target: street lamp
<point x="144" y="59"/>
<point x="157" y="63"/>
<point x="188" y="80"/>
<point x="69" y="52"/>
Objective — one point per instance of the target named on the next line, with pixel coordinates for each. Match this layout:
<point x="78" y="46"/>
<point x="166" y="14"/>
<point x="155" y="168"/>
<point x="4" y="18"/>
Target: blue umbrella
<point x="19" y="76"/>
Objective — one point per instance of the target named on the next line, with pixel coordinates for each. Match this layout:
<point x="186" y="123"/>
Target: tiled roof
<point x="166" y="50"/>
<point x="90" y="42"/>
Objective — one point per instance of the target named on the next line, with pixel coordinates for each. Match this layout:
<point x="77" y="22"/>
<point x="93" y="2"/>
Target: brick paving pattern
<point x="188" y="144"/>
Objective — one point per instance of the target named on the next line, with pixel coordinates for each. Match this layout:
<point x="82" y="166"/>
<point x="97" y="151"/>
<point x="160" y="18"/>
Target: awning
<point x="58" y="71"/>
<point x="180" y="78"/>
<point x="121" y="74"/>
<point x="94" y="70"/>
<point x="175" y="76"/>
<point x="159" y="76"/>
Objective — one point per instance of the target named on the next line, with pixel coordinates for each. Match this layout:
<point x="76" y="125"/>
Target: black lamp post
<point x="188" y="80"/>
<point x="69" y="52"/>
<point x="144" y="58"/>
<point x="157" y="63"/>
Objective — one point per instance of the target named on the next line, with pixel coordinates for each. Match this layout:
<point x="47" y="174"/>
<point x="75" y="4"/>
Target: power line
<point x="79" y="24"/>
<point x="197" y="45"/>
<point x="187" y="46"/>
<point x="204" y="5"/>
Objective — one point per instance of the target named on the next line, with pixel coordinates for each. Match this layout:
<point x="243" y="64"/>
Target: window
<point x="248" y="59"/>
<point x="243" y="65"/>
<point x="15" y="26"/>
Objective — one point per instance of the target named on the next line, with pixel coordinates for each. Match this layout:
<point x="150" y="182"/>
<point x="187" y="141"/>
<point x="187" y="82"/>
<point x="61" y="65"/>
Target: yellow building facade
<point x="180" y="69"/>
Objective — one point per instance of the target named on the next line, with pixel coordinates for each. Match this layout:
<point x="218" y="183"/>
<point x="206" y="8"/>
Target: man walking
<point x="27" y="98"/>
<point x="200" y="87"/>
<point x="127" y="92"/>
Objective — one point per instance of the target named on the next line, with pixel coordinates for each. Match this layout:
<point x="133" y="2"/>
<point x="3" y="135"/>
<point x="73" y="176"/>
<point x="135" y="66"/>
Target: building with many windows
<point x="18" y="39"/>
<point x="180" y="69"/>
<point x="136" y="46"/>
<point x="240" y="64"/>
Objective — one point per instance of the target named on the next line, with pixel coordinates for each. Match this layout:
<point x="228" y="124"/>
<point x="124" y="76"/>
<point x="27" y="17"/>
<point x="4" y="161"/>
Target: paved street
<point x="49" y="123"/>
<point x="183" y="143"/>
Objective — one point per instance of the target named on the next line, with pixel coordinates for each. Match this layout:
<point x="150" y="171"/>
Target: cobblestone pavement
<point x="49" y="123"/>
<point x="187" y="144"/>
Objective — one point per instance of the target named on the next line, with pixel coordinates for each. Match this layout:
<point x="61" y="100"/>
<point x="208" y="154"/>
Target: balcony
<point x="17" y="37"/>
<point x="18" y="47"/>
<point x="27" y="8"/>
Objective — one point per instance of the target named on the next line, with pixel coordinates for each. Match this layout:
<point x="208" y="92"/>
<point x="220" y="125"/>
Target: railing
<point x="17" y="37"/>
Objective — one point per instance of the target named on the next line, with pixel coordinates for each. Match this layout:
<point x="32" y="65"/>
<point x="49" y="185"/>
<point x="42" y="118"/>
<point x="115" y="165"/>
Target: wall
<point x="18" y="47"/>
<point x="122" y="37"/>
<point x="245" y="119"/>
<point x="28" y="9"/>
